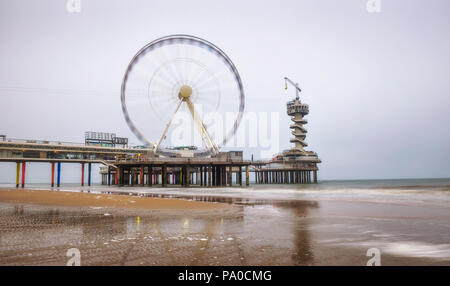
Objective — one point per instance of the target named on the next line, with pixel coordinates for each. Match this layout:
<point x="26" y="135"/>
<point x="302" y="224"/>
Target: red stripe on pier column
<point x="82" y="174"/>
<point x="53" y="174"/>
<point x="23" y="174"/>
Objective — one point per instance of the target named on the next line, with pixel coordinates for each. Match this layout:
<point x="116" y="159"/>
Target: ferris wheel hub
<point x="185" y="92"/>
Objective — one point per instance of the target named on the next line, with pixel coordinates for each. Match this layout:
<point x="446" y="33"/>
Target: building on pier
<point x="224" y="169"/>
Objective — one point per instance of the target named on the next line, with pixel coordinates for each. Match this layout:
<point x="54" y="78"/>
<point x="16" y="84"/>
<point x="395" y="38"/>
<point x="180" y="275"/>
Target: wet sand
<point x="254" y="231"/>
<point x="71" y="199"/>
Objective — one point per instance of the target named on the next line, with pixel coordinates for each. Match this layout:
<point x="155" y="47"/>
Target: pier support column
<point x="142" y="175"/>
<point x="209" y="175"/>
<point x="205" y="176"/>
<point x="52" y="183"/>
<point x="224" y="176"/>
<point x="188" y="175"/>
<point x="240" y="176"/>
<point x="163" y="175"/>
<point x="17" y="174"/>
<point x="149" y="175"/>
<point x="82" y="174"/>
<point x="119" y="176"/>
<point x="109" y="176"/>
<point x="89" y="173"/>
<point x="230" y="175"/>
<point x="247" y="177"/>
<point x="132" y="179"/>
<point x="315" y="176"/>
<point x="58" y="175"/>
<point x="23" y="173"/>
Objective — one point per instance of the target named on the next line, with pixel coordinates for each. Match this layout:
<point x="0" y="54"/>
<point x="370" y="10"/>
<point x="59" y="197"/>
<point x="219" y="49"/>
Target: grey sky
<point x="377" y="83"/>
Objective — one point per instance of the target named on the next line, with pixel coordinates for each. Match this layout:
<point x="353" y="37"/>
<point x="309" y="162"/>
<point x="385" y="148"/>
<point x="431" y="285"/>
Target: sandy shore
<point x="73" y="199"/>
<point x="39" y="227"/>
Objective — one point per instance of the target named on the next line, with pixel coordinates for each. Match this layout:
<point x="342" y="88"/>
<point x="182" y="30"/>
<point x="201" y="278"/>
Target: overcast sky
<point x="377" y="83"/>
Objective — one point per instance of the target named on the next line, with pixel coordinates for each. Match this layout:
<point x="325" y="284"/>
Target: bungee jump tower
<point x="295" y="165"/>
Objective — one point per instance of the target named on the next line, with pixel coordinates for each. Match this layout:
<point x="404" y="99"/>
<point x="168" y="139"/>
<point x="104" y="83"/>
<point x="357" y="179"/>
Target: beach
<point x="272" y="225"/>
<point x="75" y="199"/>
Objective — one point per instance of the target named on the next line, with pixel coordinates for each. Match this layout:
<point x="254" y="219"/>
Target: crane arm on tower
<point x="297" y="88"/>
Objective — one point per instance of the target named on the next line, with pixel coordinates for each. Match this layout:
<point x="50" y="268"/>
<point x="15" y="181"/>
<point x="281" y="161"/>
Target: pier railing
<point x="64" y="143"/>
<point x="158" y="160"/>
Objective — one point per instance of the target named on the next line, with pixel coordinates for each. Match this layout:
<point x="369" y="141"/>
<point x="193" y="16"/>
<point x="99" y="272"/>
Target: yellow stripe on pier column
<point x="17" y="174"/>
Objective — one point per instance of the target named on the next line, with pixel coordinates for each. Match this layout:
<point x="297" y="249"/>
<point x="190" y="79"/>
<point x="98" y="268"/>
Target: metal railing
<point x="179" y="159"/>
<point x="64" y="143"/>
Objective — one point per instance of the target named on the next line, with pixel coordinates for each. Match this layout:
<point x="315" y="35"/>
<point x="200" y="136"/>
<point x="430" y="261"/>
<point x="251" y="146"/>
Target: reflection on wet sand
<point x="303" y="253"/>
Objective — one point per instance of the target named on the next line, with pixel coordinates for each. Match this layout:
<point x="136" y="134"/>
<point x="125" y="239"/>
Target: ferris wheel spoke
<point x="214" y="88"/>
<point x="210" y="70"/>
<point x="206" y="100"/>
<point x="209" y="79"/>
<point x="206" y="69"/>
<point x="160" y="71"/>
<point x="184" y="60"/>
<point x="168" y="61"/>
<point x="159" y="81"/>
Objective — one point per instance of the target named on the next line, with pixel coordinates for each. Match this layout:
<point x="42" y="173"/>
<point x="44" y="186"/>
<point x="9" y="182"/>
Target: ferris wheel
<point x="181" y="73"/>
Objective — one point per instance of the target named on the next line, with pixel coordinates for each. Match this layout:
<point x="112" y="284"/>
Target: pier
<point x="182" y="172"/>
<point x="23" y="152"/>
<point x="127" y="166"/>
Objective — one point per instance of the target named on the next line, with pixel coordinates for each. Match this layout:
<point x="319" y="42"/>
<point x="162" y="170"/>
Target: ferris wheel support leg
<point x="167" y="127"/>
<point x="201" y="128"/>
